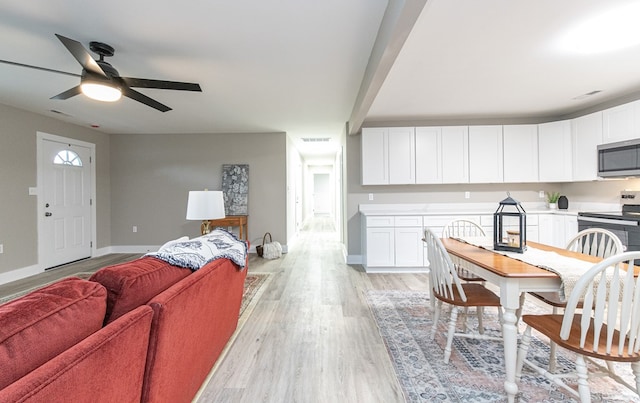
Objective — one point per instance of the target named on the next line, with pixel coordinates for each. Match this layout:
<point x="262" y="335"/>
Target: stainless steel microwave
<point x="619" y="159"/>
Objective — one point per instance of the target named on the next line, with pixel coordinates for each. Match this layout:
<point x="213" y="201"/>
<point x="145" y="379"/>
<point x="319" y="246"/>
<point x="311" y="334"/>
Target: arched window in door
<point x="67" y="157"/>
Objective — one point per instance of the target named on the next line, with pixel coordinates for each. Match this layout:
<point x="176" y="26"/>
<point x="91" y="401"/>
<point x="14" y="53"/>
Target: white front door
<point x="65" y="198"/>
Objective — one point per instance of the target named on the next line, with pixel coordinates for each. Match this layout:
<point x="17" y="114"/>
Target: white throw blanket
<point x="197" y="252"/>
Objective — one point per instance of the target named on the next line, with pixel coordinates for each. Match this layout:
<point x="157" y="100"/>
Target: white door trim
<point x="40" y="137"/>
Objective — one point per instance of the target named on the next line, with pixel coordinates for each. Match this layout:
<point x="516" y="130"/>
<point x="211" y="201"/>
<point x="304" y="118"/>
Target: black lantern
<point x="510" y="226"/>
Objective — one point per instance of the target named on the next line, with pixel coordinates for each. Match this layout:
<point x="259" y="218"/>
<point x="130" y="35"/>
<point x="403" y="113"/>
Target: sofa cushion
<point x="134" y="283"/>
<point x="42" y="324"/>
<point x="106" y="367"/>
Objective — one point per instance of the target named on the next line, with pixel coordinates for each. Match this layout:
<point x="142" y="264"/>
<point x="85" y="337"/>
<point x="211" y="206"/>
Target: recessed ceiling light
<point x="613" y="30"/>
<point x="316" y="139"/>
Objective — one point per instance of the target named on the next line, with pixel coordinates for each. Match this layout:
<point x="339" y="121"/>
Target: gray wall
<point x="18" y="166"/>
<point x="151" y="175"/>
<point x="596" y="192"/>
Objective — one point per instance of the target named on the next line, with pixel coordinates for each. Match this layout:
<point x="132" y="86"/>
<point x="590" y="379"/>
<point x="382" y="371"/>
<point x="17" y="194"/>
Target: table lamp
<point x="205" y="205"/>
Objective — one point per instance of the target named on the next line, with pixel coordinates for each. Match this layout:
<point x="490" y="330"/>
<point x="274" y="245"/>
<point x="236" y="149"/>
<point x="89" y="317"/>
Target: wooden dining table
<point x="512" y="277"/>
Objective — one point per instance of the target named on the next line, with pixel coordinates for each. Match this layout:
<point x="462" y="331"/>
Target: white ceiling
<point x="306" y="67"/>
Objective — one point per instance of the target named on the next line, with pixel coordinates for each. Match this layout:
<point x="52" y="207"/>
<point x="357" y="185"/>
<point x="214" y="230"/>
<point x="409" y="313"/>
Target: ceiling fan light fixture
<point x="101" y="92"/>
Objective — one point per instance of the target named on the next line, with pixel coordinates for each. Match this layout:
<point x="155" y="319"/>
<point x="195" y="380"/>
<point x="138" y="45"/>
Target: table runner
<point x="567" y="268"/>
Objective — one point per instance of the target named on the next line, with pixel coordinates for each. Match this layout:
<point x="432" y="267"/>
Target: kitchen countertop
<point x="474" y="208"/>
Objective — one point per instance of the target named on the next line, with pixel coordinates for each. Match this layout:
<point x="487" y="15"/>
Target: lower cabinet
<point x="557" y="229"/>
<point x="393" y="243"/>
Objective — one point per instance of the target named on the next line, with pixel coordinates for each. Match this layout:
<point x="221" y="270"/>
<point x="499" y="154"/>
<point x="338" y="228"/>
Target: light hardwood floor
<point x="311" y="338"/>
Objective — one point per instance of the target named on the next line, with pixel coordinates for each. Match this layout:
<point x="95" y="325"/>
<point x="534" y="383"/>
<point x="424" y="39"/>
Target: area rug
<point x="252" y="286"/>
<point x="475" y="372"/>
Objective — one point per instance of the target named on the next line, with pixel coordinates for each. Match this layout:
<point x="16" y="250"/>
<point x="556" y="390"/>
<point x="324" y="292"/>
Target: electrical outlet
<point x="541" y="194"/>
<point x="467" y="195"/>
<point x="135" y="228"/>
<point x="1" y="248"/>
<point x="370" y="196"/>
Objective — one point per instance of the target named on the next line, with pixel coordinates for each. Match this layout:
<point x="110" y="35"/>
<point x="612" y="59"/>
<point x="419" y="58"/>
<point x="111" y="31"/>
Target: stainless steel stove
<point x="625" y="224"/>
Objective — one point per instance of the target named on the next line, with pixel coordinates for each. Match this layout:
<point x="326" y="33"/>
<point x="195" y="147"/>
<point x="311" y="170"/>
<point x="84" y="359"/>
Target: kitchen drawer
<point x="380" y="221"/>
<point x="408" y="221"/>
<point x="487" y="220"/>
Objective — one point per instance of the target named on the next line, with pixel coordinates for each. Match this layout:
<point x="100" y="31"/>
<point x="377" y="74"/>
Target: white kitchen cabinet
<point x="375" y="156"/>
<point x="409" y="247"/>
<point x="554" y="152"/>
<point x="388" y="156"/>
<point x="520" y="145"/>
<point x="380" y="241"/>
<point x="428" y="155"/>
<point x="556" y="230"/>
<point x="380" y="247"/>
<point x="442" y="154"/>
<point x="621" y="122"/>
<point x="485" y="154"/>
<point x="455" y="154"/>
<point x="586" y="135"/>
<point x="393" y="242"/>
<point x="486" y="222"/>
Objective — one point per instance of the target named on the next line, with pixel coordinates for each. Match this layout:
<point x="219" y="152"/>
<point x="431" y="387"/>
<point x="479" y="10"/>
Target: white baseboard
<point x="133" y="248"/>
<point x="396" y="270"/>
<point x="19" y="274"/>
<point x="353" y="259"/>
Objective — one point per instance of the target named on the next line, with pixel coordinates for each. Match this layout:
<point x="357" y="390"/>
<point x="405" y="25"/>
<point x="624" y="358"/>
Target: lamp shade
<point x="205" y="205"/>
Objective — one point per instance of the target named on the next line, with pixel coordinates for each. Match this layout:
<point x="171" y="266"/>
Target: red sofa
<point x="142" y="331"/>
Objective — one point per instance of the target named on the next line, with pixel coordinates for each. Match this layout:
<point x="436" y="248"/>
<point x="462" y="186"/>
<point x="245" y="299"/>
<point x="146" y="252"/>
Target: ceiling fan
<point x="99" y="80"/>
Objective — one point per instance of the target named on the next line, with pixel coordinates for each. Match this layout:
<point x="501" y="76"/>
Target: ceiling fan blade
<point x="72" y="92"/>
<point x="82" y="56"/>
<point x="135" y="95"/>
<point x="164" y="85"/>
<point x="38" y="68"/>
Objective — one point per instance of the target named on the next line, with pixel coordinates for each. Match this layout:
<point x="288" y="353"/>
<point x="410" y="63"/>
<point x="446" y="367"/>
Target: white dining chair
<point x="594" y="242"/>
<point x="447" y="288"/>
<point x="464" y="228"/>
<point x="601" y="320"/>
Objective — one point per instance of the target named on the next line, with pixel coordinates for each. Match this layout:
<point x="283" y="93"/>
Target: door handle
<point x="48" y="214"/>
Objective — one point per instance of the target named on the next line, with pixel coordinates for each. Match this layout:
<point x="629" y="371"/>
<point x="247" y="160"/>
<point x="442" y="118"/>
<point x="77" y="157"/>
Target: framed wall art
<point x="235" y="187"/>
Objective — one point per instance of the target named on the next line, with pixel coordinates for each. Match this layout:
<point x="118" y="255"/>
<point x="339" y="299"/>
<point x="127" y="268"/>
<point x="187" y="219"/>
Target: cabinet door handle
<point x="48" y="214"/>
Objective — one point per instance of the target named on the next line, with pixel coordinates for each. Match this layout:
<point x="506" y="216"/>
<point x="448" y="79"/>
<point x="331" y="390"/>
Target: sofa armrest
<point x="107" y="366"/>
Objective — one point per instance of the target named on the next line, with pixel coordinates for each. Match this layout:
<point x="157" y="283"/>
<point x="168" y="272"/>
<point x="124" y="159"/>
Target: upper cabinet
<point x="621" y="123"/>
<point x="428" y="155"/>
<point x="554" y="152"/>
<point x="586" y="135"/>
<point x="561" y="151"/>
<point x="442" y="154"/>
<point x="485" y="154"/>
<point x="375" y="156"/>
<point x="402" y="155"/>
<point x="388" y="156"/>
<point x="520" y="144"/>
